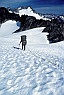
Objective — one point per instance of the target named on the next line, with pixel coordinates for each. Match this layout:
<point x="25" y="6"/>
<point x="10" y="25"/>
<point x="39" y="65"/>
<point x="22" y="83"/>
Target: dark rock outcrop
<point x="29" y="22"/>
<point x="55" y="27"/>
<point x="55" y="30"/>
<point x="5" y="15"/>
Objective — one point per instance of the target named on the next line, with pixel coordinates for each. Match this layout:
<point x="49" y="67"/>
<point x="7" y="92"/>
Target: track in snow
<point x="23" y="73"/>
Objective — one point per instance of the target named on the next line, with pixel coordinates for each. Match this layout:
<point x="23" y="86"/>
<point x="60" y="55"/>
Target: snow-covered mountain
<point x="27" y="19"/>
<point x="39" y="70"/>
<point x="28" y="11"/>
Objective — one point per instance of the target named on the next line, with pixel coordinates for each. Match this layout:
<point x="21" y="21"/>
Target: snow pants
<point x="23" y="46"/>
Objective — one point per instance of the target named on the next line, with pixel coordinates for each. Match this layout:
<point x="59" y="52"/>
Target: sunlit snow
<point x="30" y="12"/>
<point x="39" y="70"/>
<point x="8" y="28"/>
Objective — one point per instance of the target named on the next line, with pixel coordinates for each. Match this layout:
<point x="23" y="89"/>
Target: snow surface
<point x="8" y="28"/>
<point x="39" y="70"/>
<point x="62" y="17"/>
<point x="28" y="11"/>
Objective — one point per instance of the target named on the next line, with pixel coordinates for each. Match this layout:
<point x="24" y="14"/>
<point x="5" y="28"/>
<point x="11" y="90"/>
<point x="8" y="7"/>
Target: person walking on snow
<point x="24" y="42"/>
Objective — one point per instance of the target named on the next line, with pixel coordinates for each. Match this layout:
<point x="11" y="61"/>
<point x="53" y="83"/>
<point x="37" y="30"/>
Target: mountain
<point x="29" y="19"/>
<point x="30" y="12"/>
<point x="6" y="15"/>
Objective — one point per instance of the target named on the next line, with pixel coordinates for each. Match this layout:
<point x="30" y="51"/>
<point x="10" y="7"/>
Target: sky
<point x="33" y="3"/>
<point x="37" y="4"/>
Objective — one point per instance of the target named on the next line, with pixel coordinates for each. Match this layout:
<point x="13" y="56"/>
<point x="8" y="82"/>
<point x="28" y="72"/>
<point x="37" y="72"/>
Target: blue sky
<point x="33" y="3"/>
<point x="39" y="5"/>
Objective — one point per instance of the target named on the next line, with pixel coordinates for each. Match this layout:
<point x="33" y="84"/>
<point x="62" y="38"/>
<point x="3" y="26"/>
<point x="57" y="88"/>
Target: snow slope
<point x="39" y="70"/>
<point x="8" y="28"/>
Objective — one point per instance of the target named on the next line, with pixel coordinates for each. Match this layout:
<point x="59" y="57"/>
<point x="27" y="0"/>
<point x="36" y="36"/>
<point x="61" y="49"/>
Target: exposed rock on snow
<point x="29" y="19"/>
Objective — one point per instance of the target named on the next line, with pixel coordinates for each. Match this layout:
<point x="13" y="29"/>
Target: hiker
<point x="23" y="40"/>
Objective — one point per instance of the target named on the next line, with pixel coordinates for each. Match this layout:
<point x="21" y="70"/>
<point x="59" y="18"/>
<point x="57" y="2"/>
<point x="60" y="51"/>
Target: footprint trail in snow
<point x="22" y="73"/>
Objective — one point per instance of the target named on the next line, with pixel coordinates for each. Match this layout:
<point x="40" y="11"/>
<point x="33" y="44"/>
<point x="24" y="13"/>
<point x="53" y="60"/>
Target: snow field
<point x="21" y="73"/>
<point x="37" y="71"/>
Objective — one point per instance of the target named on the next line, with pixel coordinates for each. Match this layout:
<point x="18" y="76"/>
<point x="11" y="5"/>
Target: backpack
<point x="23" y="38"/>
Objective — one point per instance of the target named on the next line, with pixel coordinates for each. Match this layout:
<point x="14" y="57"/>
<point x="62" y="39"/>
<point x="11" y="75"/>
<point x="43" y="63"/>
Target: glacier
<point x="39" y="70"/>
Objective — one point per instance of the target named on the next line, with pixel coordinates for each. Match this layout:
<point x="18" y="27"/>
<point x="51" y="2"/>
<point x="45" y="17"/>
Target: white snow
<point x="8" y="28"/>
<point x="28" y="11"/>
<point x="62" y="17"/>
<point x="39" y="70"/>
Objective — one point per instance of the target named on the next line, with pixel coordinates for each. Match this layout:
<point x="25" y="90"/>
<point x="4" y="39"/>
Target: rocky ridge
<point x="54" y="25"/>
